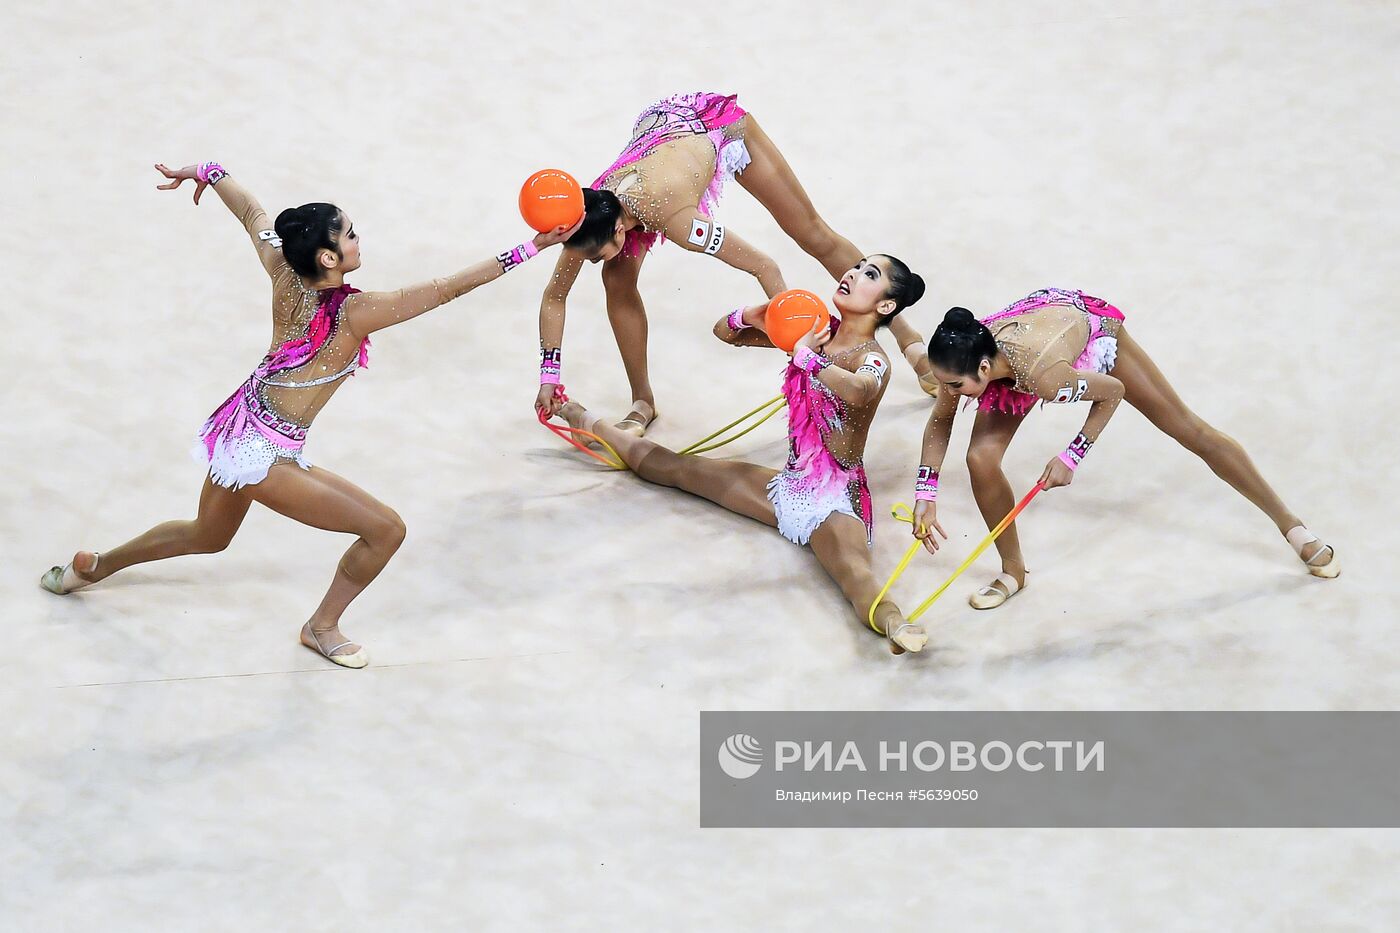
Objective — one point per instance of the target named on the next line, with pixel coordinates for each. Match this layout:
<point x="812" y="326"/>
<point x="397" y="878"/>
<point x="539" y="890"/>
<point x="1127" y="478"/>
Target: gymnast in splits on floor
<point x="833" y="386"/>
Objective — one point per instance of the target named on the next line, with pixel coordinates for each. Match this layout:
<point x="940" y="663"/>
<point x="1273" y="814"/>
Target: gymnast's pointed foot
<point x="901" y="634"/>
<point x="333" y="646"/>
<point x="64" y="580"/>
<point x="1005" y="586"/>
<point x="578" y="417"/>
<point x="1317" y="556"/>
<point x="641" y="416"/>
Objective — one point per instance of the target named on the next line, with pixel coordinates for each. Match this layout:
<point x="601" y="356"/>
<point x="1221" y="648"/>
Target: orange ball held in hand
<point x="790" y="315"/>
<point x="551" y="198"/>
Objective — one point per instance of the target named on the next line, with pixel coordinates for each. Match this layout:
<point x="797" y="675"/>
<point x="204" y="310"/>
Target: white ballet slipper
<point x="64" y="580"/>
<point x="907" y="636"/>
<point x="1323" y="563"/>
<point x="637" y="420"/>
<point x="357" y="659"/>
<point x="989" y="597"/>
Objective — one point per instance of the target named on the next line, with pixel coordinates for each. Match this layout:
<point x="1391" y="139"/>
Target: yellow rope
<point x="777" y="403"/>
<point x="908" y="517"/>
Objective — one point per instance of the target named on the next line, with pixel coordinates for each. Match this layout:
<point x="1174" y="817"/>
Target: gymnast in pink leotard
<point x="1062" y="346"/>
<point x="252" y="445"/>
<point x="667" y="184"/>
<point x="833" y="385"/>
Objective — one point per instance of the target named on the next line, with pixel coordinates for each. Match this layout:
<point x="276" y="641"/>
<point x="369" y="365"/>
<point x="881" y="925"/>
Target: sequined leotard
<point x="265" y="420"/>
<point x="825" y="472"/>
<point x="1046" y="328"/>
<point x="674" y="142"/>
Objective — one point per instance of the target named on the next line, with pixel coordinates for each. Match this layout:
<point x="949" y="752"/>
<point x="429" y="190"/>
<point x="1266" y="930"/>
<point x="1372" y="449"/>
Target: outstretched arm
<point x="238" y="200"/>
<point x="1063" y="383"/>
<point x="368" y="312"/>
<point x="693" y="231"/>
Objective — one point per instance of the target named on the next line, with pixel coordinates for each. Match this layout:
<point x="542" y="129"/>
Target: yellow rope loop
<point x="777" y="403"/>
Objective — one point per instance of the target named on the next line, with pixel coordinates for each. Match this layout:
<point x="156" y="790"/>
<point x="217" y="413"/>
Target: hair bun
<point x="960" y="318"/>
<point x="290" y="224"/>
<point x="916" y="289"/>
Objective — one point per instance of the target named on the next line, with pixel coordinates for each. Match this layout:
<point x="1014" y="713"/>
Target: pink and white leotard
<point x="678" y="117"/>
<point x="1029" y="351"/>
<point x="825" y="473"/>
<point x="249" y="433"/>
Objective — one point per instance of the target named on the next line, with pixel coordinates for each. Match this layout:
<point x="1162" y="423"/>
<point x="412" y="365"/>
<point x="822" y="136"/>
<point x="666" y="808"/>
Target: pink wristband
<point x="808" y="361"/>
<point x="514" y="257"/>
<point x="210" y="173"/>
<point x="1074" y="454"/>
<point x="736" y="319"/>
<point x="926" y="484"/>
<point x="551" y="363"/>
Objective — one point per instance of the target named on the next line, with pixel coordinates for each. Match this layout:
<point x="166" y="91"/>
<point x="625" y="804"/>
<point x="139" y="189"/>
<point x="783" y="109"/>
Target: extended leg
<point x="772" y="182"/>
<point x="1147" y="390"/>
<point x="734" y="485"/>
<point x="839" y="545"/>
<point x="221" y="512"/>
<point x="322" y="499"/>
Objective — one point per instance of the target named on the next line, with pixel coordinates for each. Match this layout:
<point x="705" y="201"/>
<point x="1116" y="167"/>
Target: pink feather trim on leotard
<point x="814" y="483"/>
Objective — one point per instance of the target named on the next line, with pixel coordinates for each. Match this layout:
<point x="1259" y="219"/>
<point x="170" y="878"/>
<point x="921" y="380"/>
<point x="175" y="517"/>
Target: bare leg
<point x="1147" y="390"/>
<point x="221" y="512"/>
<point x="839" y="544"/>
<point x="991" y="435"/>
<point x="628" y="316"/>
<point x="772" y="182"/>
<point x="322" y="499"/>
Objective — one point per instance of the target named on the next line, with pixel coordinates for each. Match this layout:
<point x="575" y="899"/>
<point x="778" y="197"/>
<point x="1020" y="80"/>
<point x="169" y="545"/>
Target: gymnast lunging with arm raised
<point x="252" y="443"/>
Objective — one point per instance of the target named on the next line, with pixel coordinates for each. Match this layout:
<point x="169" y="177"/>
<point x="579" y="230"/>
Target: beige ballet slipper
<point x="1299" y="537"/>
<point x="64" y="580"/>
<point x="637" y="420"/>
<point x="357" y="659"/>
<point x="989" y="597"/>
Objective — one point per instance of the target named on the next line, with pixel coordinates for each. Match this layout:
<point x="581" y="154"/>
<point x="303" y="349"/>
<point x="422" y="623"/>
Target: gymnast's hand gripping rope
<point x="566" y="434"/>
<point x="908" y="516"/>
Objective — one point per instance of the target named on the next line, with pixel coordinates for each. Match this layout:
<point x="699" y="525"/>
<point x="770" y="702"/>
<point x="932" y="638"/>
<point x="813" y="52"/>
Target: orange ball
<point x="791" y="314"/>
<point x="551" y="198"/>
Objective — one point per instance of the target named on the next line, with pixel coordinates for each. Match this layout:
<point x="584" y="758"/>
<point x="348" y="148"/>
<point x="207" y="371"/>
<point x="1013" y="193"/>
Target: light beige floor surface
<point x="523" y="752"/>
